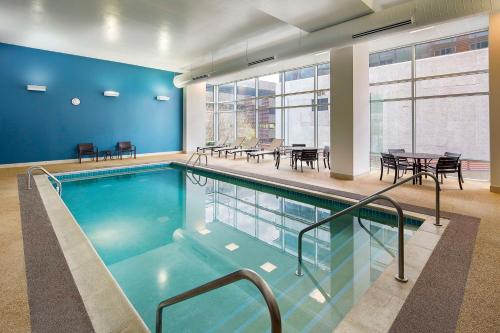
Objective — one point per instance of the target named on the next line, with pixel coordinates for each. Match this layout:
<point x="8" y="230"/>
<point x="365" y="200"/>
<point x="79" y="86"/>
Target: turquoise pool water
<point x="162" y="232"/>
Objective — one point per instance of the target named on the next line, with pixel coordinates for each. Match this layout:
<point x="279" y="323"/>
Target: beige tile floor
<point x="481" y="307"/>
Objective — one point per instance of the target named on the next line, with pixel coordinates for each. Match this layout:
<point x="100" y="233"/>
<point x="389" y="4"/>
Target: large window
<point x="433" y="98"/>
<point x="210" y="120"/>
<point x="293" y="105"/>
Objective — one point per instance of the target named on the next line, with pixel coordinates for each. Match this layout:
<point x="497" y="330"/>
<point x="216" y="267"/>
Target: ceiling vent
<point x="199" y="77"/>
<point x="260" y="61"/>
<point x="387" y="27"/>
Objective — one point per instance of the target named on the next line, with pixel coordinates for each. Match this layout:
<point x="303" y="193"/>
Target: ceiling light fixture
<point x="162" y="98"/>
<point x="32" y="87"/>
<point x="423" y="29"/>
<point x="111" y="93"/>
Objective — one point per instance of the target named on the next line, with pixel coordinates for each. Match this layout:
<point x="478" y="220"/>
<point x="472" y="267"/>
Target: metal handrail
<point x="371" y="198"/>
<point x="415" y="176"/>
<point x="51" y="176"/>
<point x="242" y="274"/>
<point x="198" y="159"/>
<point x="401" y="274"/>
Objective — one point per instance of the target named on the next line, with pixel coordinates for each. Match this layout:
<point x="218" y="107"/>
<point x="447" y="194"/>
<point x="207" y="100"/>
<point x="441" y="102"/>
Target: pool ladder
<point x="370" y="199"/>
<point x="51" y="176"/>
<point x="198" y="159"/>
<point x="242" y="274"/>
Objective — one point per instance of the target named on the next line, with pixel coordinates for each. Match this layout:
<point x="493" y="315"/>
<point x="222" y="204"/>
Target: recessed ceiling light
<point x="231" y="247"/>
<point x="268" y="267"/>
<point x="423" y="29"/>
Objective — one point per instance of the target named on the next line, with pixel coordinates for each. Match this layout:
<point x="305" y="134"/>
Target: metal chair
<point x="392" y="163"/>
<point x="308" y="156"/>
<point x="446" y="165"/>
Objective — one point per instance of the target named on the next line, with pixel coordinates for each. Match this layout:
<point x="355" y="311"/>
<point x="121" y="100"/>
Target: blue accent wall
<point x="42" y="126"/>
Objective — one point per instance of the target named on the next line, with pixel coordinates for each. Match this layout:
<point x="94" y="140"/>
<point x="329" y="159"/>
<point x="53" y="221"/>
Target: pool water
<point x="166" y="231"/>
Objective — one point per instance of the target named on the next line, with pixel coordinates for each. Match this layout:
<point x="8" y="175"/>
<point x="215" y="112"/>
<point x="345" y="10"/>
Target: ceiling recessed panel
<point x="313" y="15"/>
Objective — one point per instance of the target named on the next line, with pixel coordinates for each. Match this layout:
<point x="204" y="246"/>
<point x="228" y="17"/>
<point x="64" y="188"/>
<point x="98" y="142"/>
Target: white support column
<point x="350" y="113"/>
<point x="194" y="116"/>
<point x="494" y="72"/>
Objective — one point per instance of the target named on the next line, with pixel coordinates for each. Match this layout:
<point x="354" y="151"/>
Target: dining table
<point x="419" y="160"/>
<point x="293" y="153"/>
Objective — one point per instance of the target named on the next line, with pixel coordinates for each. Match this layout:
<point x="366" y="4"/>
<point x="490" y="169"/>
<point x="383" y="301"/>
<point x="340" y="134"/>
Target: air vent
<point x="260" y="61"/>
<point x="204" y="76"/>
<point x="387" y="27"/>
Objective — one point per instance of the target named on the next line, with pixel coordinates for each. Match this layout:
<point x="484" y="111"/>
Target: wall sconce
<point x="111" y="93"/>
<point x="32" y="87"/>
<point x="162" y="98"/>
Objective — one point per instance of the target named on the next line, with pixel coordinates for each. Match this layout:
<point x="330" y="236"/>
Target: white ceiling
<point x="167" y="34"/>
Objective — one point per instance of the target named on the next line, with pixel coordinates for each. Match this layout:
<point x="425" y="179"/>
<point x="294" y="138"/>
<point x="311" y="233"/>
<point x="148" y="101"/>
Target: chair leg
<point x="324" y="162"/>
<point x="328" y="161"/>
<point x="396" y="171"/>
<point x="460" y="178"/>
<point x="441" y="178"/>
<point x="381" y="170"/>
<point x="301" y="169"/>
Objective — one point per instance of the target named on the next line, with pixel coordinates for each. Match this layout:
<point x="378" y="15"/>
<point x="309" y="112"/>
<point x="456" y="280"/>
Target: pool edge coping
<point x="73" y="241"/>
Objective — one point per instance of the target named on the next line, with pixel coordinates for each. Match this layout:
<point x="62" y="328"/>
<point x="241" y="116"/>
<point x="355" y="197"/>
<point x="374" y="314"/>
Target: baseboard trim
<point x="343" y="176"/>
<point x="73" y="160"/>
<point x="494" y="189"/>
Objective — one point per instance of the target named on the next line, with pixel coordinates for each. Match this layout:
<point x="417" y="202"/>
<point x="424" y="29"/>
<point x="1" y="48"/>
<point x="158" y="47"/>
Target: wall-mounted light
<point x="162" y="98"/>
<point x="111" y="93"/>
<point x="32" y="87"/>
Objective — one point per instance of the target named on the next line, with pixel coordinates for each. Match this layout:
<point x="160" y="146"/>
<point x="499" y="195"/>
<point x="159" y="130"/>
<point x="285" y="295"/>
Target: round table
<point x="418" y="158"/>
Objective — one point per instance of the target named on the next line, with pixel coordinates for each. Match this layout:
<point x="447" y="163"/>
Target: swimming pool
<point x="161" y="230"/>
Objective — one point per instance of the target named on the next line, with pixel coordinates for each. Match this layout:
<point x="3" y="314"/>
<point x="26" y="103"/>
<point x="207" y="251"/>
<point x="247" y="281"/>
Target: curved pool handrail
<point x="242" y="274"/>
<point x="401" y="274"/>
<point x="51" y="176"/>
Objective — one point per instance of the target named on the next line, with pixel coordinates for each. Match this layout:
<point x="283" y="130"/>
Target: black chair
<point x="125" y="147"/>
<point x="449" y="154"/>
<point x="446" y="165"/>
<point x="87" y="149"/>
<point x="292" y="157"/>
<point x="400" y="159"/>
<point x="392" y="163"/>
<point x="309" y="156"/>
<point x="326" y="156"/>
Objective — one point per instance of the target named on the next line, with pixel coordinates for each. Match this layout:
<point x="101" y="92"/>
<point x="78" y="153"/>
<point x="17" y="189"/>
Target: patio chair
<point x="125" y="147"/>
<point x="449" y="154"/>
<point x="222" y="143"/>
<point x="272" y="149"/>
<point x="400" y="159"/>
<point x="292" y="153"/>
<point x="248" y="146"/>
<point x="87" y="149"/>
<point x="446" y="165"/>
<point x="392" y="163"/>
<point x="236" y="144"/>
<point x="326" y="156"/>
<point x="309" y="156"/>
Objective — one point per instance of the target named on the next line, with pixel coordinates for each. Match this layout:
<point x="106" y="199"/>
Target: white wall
<point x="194" y="117"/>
